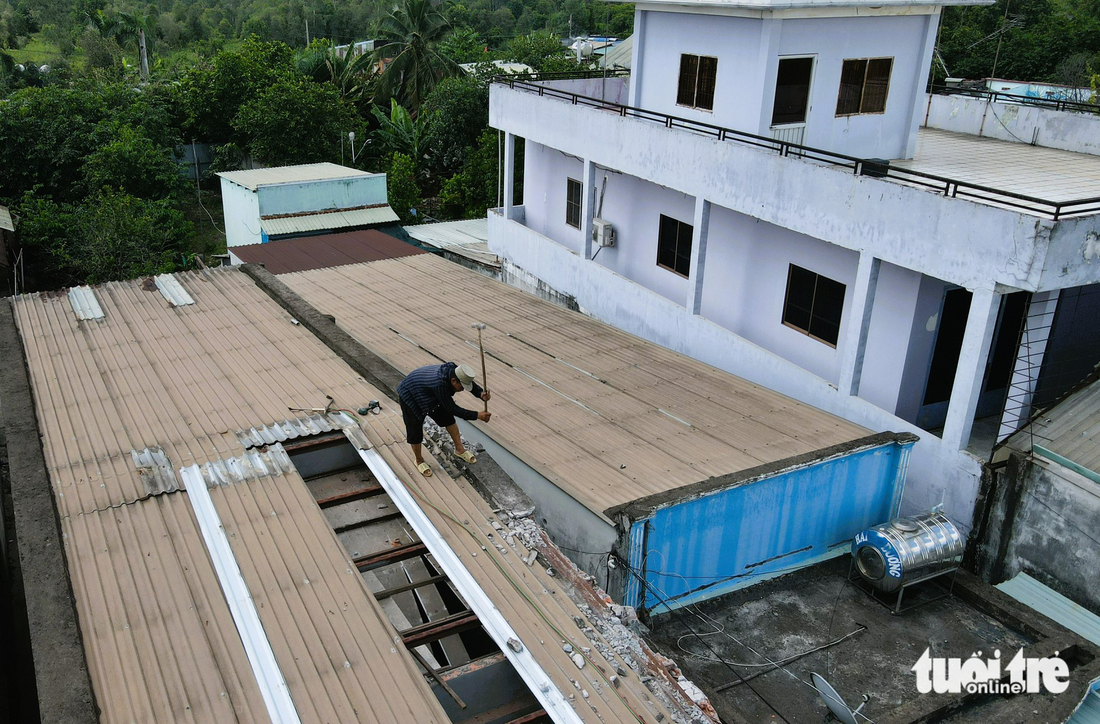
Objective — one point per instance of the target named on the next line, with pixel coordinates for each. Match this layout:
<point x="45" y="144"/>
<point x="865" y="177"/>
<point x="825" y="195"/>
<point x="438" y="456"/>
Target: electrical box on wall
<point x="603" y="233"/>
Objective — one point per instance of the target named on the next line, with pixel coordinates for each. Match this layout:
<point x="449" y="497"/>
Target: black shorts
<point x="414" y="424"/>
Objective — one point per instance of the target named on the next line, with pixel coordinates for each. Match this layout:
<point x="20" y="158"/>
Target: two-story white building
<point x="766" y="193"/>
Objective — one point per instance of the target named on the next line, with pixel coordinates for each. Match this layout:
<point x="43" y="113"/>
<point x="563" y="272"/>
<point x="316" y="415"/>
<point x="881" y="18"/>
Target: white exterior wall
<point x="736" y="44"/>
<point x="966" y="243"/>
<point x="1078" y="132"/>
<point x="888" y="337"/>
<point x="545" y="171"/>
<point x="748" y="52"/>
<point x="241" y="212"/>
<point x="745" y="279"/>
<point x="833" y="40"/>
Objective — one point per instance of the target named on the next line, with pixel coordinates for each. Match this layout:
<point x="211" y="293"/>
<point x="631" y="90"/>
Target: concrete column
<point x="918" y="103"/>
<point x="636" y="58"/>
<point x="1029" y="359"/>
<point x="768" y="68"/>
<point x="854" y="345"/>
<point x="509" y="174"/>
<point x="588" y="207"/>
<point x="971" y="368"/>
<point x="699" y="231"/>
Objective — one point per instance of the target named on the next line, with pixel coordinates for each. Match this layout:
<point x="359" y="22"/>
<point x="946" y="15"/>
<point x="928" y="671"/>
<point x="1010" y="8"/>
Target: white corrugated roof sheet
<point x="328" y="220"/>
<point x="256" y="177"/>
<point x="469" y="239"/>
<point x="1071" y="430"/>
<point x="619" y="55"/>
<point x="1053" y="605"/>
<point x="5" y="219"/>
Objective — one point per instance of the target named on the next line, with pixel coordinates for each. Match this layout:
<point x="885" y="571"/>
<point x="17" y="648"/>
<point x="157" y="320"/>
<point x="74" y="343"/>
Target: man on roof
<point x="429" y="392"/>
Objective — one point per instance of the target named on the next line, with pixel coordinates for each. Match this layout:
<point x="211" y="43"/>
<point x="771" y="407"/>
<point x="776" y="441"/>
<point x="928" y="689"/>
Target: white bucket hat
<point x="465" y="376"/>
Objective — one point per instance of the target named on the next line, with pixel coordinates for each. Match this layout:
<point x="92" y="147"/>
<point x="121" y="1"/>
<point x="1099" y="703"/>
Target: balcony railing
<point x="1019" y="100"/>
<point x="952" y="188"/>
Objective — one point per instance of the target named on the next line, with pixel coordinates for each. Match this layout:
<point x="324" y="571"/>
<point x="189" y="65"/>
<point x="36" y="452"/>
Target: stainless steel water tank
<point x="905" y="550"/>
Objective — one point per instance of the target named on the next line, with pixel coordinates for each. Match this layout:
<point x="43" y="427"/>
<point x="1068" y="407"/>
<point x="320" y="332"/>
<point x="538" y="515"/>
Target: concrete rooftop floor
<point x="1046" y="173"/>
<point x="803" y="610"/>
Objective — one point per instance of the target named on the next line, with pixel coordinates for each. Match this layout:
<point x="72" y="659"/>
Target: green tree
<point x="46" y="134"/>
<point x="410" y="37"/>
<point x="401" y="187"/>
<point x="542" y="51"/>
<point x="296" y="121"/>
<point x="460" y="107"/>
<point x="469" y="193"/>
<point x="132" y="163"/>
<point x="350" y="73"/>
<point x="211" y="94"/>
<point x="464" y="45"/>
<point x="109" y="236"/>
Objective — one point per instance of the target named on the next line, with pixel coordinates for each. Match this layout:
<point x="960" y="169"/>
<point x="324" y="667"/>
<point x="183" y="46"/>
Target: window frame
<point x="569" y="203"/>
<point x="812" y="57"/>
<point x="863" y="86"/>
<point x="813" y="303"/>
<point x="678" y="240"/>
<point x="695" y="82"/>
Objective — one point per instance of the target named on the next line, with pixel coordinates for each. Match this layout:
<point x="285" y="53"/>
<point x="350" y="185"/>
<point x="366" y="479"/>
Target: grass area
<point x="37" y="50"/>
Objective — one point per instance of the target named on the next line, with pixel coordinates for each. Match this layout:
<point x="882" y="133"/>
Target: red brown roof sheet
<point x="324" y="251"/>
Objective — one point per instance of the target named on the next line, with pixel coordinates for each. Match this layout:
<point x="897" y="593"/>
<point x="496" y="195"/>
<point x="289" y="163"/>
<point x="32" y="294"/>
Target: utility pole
<point x="307" y="32"/>
<point x="143" y="54"/>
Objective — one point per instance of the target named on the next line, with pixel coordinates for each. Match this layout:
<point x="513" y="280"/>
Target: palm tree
<point x="350" y="72"/>
<point x="410" y="37"/>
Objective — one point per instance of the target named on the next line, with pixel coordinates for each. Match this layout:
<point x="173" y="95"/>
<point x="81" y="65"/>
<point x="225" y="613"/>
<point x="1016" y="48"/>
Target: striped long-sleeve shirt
<point x="428" y="391"/>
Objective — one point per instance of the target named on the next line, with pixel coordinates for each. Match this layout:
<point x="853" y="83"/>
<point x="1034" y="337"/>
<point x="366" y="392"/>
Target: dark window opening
<point x="674" y="245"/>
<point x="949" y="339"/>
<point x="814" y="304"/>
<point x="792" y="90"/>
<point x="573" y="203"/>
<point x="864" y="85"/>
<point x="698" y="74"/>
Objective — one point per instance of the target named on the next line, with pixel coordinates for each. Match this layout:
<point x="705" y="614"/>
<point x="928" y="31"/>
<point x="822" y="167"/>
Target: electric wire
<point x="698" y="614"/>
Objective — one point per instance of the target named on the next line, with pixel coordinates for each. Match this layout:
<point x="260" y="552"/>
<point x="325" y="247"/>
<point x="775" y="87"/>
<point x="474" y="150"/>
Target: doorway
<point x="792" y="99"/>
<point x="954" y="310"/>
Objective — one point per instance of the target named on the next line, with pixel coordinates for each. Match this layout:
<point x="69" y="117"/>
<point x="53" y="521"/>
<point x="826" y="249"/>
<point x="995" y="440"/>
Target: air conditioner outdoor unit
<point x="603" y="233"/>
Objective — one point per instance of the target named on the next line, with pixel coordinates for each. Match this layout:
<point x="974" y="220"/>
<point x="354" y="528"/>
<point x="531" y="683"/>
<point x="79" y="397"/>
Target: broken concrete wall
<point x="1044" y="520"/>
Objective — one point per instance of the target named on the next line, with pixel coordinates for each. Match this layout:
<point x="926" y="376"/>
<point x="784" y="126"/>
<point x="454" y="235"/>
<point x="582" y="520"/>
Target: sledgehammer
<point x="484" y="378"/>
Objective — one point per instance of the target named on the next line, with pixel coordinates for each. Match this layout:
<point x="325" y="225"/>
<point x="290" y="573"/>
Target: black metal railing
<point x="564" y="75"/>
<point x="985" y="94"/>
<point x="952" y="188"/>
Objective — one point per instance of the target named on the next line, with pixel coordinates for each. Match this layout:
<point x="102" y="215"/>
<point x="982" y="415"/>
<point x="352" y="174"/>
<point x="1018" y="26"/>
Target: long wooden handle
<point x="484" y="377"/>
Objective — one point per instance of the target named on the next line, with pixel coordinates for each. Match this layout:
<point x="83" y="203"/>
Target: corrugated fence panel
<point x="704" y="547"/>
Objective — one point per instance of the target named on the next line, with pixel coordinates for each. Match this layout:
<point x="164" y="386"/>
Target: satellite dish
<point x="840" y="711"/>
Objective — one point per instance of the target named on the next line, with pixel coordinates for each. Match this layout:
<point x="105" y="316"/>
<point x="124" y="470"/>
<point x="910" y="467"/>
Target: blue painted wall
<point x="296" y="198"/>
<point x="701" y="548"/>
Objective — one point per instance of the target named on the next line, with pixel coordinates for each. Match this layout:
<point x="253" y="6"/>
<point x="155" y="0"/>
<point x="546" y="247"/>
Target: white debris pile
<point x="439" y="444"/>
<point x="609" y="631"/>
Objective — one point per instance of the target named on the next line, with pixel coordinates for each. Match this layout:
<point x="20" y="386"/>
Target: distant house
<point x="502" y="65"/>
<point x="267" y="204"/>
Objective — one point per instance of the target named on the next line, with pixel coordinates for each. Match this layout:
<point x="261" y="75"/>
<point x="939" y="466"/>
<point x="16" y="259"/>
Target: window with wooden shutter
<point x="698" y="75"/>
<point x="864" y="85"/>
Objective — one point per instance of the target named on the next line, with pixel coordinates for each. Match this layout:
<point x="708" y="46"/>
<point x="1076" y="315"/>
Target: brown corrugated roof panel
<point x="609" y="417"/>
<point x="325" y="250"/>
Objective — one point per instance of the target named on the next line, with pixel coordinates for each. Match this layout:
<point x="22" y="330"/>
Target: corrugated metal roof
<point x="606" y="416"/>
<point x="254" y="178"/>
<point x="155" y="388"/>
<point x="172" y="291"/>
<point x="1089" y="711"/>
<point x="160" y="641"/>
<point x="1053" y="605"/>
<point x="5" y="219"/>
<point x="469" y="239"/>
<point x="327" y="220"/>
<point x="620" y="55"/>
<point x="84" y="303"/>
<point x="324" y="250"/>
<point x="1071" y="429"/>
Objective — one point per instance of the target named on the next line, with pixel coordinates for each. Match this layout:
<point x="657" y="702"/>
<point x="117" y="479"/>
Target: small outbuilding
<point x="269" y="204"/>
